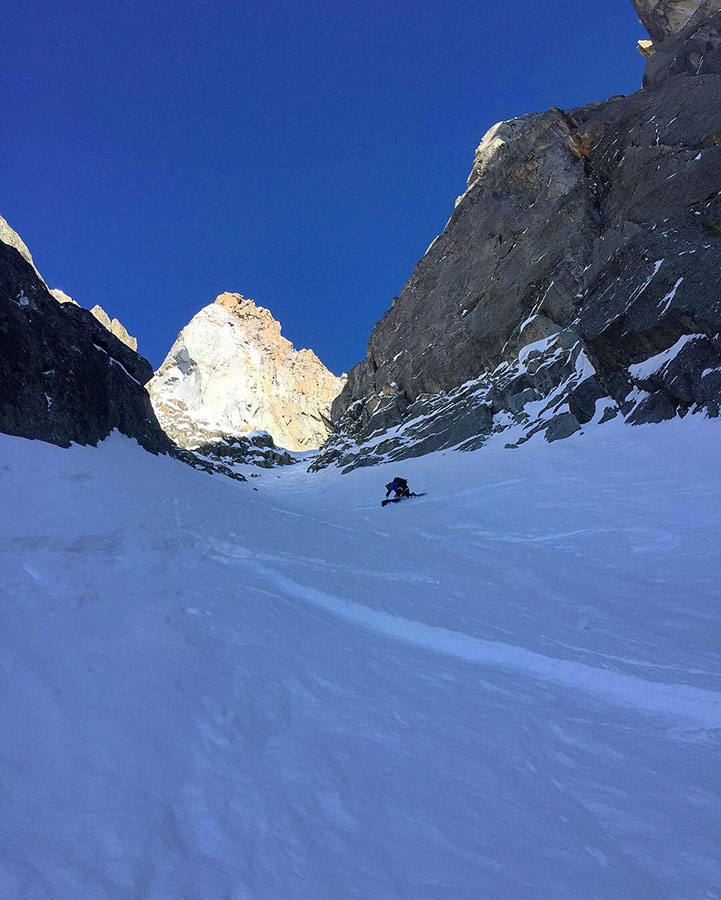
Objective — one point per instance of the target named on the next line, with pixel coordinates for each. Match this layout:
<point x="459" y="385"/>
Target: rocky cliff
<point x="63" y="377"/>
<point x="578" y="277"/>
<point x="231" y="372"/>
<point x="10" y="237"/>
<point x="663" y="18"/>
<point x="113" y="325"/>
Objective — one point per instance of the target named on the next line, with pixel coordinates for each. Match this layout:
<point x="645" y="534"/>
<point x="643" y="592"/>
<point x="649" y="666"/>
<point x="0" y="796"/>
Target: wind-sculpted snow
<point x="676" y="700"/>
<point x="510" y="687"/>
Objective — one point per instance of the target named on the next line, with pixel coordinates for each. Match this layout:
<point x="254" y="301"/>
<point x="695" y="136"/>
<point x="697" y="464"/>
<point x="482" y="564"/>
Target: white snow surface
<point x="510" y="687"/>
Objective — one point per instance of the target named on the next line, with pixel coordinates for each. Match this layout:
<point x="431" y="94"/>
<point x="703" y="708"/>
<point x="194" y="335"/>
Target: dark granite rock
<point x="208" y="465"/>
<point x="664" y="18"/>
<point x="597" y="228"/>
<point x="63" y="377"/>
<point x="652" y="409"/>
<point x="257" y="449"/>
<point x="695" y="50"/>
<point x="582" y="399"/>
<point x="561" y="426"/>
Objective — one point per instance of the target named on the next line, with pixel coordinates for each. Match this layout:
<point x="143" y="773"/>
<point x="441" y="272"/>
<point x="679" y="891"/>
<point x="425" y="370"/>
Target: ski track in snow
<point x="675" y="701"/>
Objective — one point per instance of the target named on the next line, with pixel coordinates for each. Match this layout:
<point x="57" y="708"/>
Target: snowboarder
<point x="399" y="486"/>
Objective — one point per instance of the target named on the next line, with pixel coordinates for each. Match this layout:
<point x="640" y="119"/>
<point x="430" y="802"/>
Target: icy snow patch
<point x="668" y="299"/>
<point x="655" y="364"/>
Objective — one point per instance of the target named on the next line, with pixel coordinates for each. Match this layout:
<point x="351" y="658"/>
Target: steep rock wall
<point x="591" y="234"/>
<point x="113" y="325"/>
<point x="63" y="377"/>
<point x="662" y="18"/>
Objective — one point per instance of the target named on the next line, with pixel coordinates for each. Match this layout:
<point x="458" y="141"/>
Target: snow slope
<point x="508" y="688"/>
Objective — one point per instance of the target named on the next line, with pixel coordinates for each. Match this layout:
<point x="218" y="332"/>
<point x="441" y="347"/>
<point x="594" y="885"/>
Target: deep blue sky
<point x="301" y="153"/>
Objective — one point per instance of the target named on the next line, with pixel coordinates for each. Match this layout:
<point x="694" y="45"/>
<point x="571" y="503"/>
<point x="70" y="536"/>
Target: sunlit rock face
<point x="578" y="277"/>
<point x="231" y="372"/>
<point x="11" y="238"/>
<point x="62" y="297"/>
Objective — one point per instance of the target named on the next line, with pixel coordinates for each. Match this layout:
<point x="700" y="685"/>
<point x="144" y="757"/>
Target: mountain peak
<point x="240" y="305"/>
<point x="247" y="310"/>
<point x="231" y="372"/>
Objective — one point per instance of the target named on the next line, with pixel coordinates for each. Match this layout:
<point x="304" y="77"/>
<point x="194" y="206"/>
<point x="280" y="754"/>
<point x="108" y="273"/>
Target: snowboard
<point x="398" y="499"/>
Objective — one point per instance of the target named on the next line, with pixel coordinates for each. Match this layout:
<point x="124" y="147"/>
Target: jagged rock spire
<point x="232" y="372"/>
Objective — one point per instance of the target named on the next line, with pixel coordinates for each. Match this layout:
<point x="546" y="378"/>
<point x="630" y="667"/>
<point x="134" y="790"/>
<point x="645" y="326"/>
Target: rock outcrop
<point x="591" y="236"/>
<point x="662" y="18"/>
<point x="63" y="377"/>
<point x="256" y="449"/>
<point x="692" y="50"/>
<point x="231" y="372"/>
<point x="62" y="297"/>
<point x="115" y="327"/>
<point x="10" y="237"/>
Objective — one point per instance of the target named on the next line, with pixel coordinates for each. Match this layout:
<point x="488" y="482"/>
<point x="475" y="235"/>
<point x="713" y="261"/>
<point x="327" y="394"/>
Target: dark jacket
<point x="399" y="486"/>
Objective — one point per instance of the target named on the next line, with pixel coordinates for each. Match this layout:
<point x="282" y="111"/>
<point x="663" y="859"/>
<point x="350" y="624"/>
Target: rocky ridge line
<point x="10" y="237"/>
<point x="113" y="325"/>
<point x="64" y="378"/>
